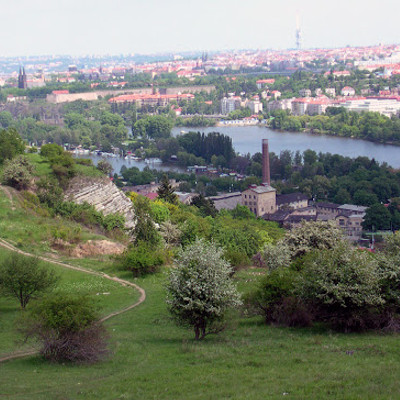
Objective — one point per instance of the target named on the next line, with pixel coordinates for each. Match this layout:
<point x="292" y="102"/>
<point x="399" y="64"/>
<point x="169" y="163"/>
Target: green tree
<point x="24" y="278"/>
<point x="144" y="229"/>
<point x="6" y="119"/>
<point x="377" y="217"/>
<point x="200" y="290"/>
<point x="11" y="144"/>
<point x="105" y="167"/>
<point x="166" y="192"/>
<point x="206" y="206"/>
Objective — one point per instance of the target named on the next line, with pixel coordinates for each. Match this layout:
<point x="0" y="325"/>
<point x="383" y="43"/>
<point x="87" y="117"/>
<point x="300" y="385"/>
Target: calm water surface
<point x="248" y="140"/>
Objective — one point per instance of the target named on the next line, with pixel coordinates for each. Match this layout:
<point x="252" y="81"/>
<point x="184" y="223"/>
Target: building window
<point x="341" y="222"/>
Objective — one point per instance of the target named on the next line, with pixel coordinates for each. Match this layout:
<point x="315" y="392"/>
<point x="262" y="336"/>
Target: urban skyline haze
<point x="153" y="26"/>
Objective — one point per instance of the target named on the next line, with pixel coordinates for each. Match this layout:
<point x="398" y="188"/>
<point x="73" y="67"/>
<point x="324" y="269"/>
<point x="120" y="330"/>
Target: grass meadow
<point x="154" y="359"/>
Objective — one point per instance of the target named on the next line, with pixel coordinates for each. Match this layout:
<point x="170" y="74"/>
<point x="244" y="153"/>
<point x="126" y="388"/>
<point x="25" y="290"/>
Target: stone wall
<point x="91" y="96"/>
<point x="103" y="195"/>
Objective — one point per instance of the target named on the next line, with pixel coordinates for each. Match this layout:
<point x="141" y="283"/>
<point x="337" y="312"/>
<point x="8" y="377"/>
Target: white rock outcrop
<point x="103" y="195"/>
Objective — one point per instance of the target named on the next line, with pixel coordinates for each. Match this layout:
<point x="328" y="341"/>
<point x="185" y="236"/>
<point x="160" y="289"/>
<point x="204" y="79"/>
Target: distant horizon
<point x="75" y="27"/>
<point x="181" y="52"/>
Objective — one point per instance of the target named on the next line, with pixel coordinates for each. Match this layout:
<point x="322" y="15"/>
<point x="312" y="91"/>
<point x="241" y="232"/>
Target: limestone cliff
<point x="103" y="195"/>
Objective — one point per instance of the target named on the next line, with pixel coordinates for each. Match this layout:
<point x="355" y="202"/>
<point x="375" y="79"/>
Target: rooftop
<point x="264" y="188"/>
<point x="290" y="198"/>
<point x="352" y="207"/>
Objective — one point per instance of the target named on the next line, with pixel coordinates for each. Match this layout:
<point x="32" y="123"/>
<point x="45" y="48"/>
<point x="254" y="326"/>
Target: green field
<point x="154" y="359"/>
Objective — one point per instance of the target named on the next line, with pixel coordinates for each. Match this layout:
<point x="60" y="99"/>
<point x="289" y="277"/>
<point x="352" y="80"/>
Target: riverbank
<point x="332" y="134"/>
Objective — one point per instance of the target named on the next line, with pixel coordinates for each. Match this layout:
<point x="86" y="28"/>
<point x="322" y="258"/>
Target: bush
<point x="86" y="214"/>
<point x="141" y="259"/>
<point x="67" y="329"/>
<point x="49" y="191"/>
<point x="236" y="258"/>
<point x="344" y="286"/>
<point x="273" y="257"/>
<point x="51" y="150"/>
<point x="274" y="288"/>
<point x="159" y="211"/>
<point x="84" y="161"/>
<point x="310" y="236"/>
<point x="18" y="172"/>
<point x="292" y="311"/>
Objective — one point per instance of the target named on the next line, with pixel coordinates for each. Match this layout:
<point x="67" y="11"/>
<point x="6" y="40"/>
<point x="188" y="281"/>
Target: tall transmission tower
<point x="299" y="34"/>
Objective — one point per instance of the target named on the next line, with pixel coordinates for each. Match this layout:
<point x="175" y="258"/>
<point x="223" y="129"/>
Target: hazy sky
<point x="29" y="27"/>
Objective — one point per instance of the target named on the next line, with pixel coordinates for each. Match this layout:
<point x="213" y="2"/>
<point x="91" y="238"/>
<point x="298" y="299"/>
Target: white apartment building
<point x="285" y="104"/>
<point x="386" y="107"/>
<point x="255" y="106"/>
<point x="229" y="104"/>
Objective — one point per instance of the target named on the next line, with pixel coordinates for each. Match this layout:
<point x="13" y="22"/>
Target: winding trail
<point x="121" y="282"/>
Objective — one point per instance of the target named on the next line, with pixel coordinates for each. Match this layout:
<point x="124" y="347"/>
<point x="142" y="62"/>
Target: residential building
<point x="285" y="104"/>
<point x="305" y="93"/>
<point x="347" y="91"/>
<point x="292" y="201"/>
<point x="276" y="94"/>
<point x="351" y="225"/>
<point x="255" y="105"/>
<point x="229" y="104"/>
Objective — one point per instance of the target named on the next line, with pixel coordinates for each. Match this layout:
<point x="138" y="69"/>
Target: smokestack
<point x="265" y="163"/>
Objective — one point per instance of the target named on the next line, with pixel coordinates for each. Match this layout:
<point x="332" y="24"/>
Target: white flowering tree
<point x="200" y="290"/>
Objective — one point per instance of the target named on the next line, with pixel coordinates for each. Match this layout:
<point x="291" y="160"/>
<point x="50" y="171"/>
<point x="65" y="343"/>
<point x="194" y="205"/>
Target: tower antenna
<point x="299" y="34"/>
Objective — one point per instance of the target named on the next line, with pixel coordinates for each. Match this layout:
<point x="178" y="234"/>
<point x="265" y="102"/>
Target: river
<point x="247" y="139"/>
<point x="118" y="162"/>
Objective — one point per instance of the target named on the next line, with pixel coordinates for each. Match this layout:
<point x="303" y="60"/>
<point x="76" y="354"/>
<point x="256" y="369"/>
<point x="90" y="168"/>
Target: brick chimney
<point x="265" y="163"/>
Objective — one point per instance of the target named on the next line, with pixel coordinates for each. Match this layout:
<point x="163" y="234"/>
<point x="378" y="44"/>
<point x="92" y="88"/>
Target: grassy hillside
<point x="154" y="359"/>
<point x="30" y="228"/>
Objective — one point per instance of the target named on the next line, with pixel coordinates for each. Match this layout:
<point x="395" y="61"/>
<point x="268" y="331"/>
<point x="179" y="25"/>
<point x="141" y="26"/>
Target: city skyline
<point x="124" y="27"/>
